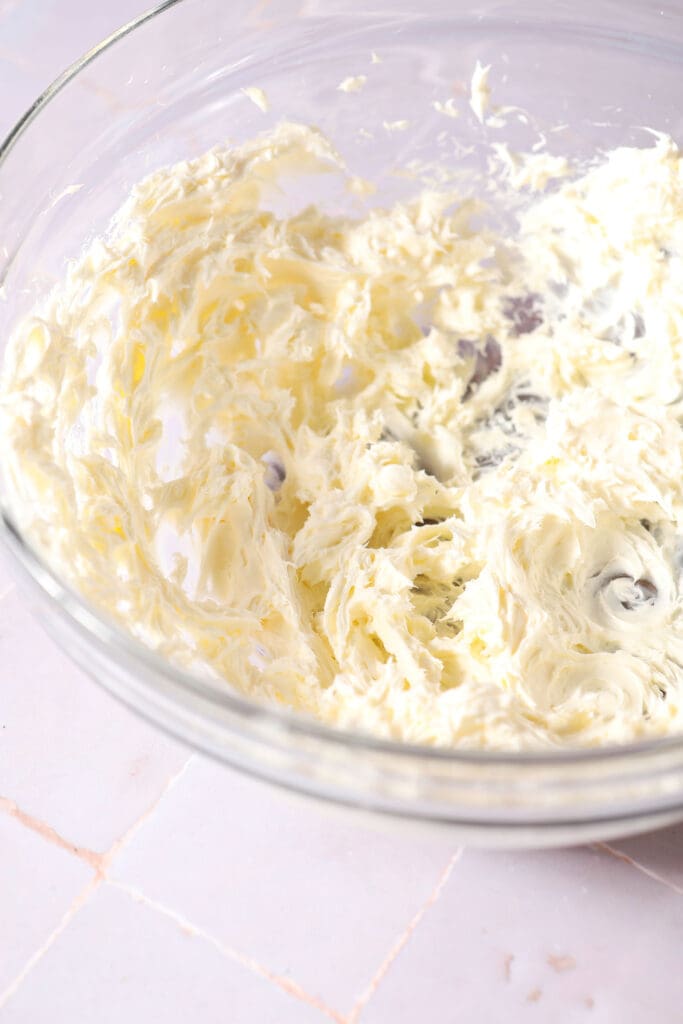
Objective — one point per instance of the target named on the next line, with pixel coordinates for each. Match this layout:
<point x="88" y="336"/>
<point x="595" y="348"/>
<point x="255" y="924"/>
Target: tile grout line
<point x="404" y="938"/>
<point x="66" y="919"/>
<point x="49" y="834"/>
<point x="620" y="855"/>
<point x="99" y="862"/>
<point x="286" y="984"/>
<point x="123" y="840"/>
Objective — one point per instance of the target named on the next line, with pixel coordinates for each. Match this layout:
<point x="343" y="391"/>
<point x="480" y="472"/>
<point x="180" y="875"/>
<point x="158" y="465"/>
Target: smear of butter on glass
<point x="353" y="84"/>
<point x="480" y="91"/>
<point x="530" y="170"/>
<point x="446" y="107"/>
<point x="258" y="97"/>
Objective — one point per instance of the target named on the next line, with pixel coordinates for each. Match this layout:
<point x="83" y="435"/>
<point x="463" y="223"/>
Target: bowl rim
<point x="104" y="631"/>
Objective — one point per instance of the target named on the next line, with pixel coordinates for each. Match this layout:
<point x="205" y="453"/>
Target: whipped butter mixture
<point x="402" y="472"/>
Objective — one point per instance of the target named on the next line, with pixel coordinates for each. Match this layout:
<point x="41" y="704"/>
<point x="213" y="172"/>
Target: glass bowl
<point x="169" y="86"/>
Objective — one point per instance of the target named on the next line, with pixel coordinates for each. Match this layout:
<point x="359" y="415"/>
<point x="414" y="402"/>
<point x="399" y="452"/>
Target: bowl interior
<point x="171" y="87"/>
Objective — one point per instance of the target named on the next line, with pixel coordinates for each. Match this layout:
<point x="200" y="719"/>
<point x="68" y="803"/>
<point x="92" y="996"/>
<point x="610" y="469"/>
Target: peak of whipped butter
<point x="397" y="472"/>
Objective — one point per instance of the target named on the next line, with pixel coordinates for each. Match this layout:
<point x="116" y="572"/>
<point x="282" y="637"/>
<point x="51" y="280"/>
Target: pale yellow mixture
<point x="397" y="472"/>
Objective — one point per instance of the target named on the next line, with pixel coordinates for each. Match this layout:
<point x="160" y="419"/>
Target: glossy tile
<point x="569" y="936"/>
<point x="309" y="893"/>
<point x="659" y="852"/>
<point x="120" y="960"/>
<point x="38" y="883"/>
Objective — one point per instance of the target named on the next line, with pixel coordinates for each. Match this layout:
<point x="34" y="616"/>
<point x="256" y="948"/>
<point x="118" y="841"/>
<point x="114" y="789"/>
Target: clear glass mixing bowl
<point x="168" y="86"/>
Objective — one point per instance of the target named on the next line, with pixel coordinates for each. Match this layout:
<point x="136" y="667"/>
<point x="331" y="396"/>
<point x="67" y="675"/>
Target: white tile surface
<point x="301" y="890"/>
<point x="120" y="961"/>
<point x="38" y="882"/>
<point x="69" y="753"/>
<point x="660" y="853"/>
<point x="590" y="940"/>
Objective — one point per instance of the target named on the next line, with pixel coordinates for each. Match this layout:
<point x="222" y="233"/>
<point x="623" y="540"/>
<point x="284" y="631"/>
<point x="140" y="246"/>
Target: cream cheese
<point x="398" y="472"/>
<point x="258" y="97"/>
<point x="480" y="91"/>
<point x="354" y="83"/>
